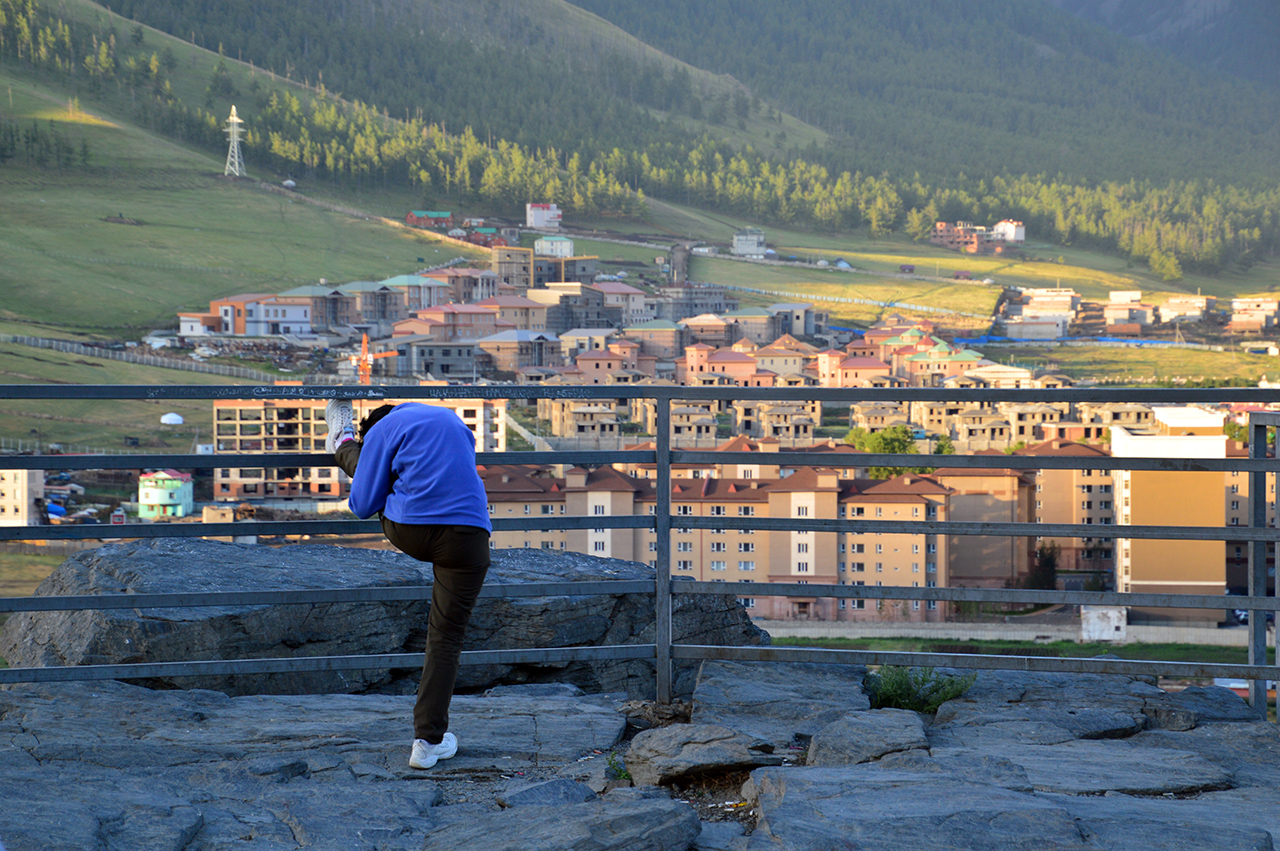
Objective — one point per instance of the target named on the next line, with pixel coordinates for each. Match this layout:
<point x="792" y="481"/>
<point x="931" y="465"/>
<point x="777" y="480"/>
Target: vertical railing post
<point x="1257" y="565"/>
<point x="662" y="556"/>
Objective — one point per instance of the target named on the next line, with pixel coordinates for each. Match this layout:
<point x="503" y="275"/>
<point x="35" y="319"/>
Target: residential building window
<point x="879" y="511"/>
<point x="857" y="566"/>
<point x="802" y="511"/>
<point x="717" y="511"/>
<point x="718" y="546"/>
<point x="930" y="567"/>
<point x="746" y="565"/>
<point x="528" y="509"/>
<point x="857" y="548"/>
<point x="915" y="548"/>
<point x="653" y="546"/>
<point x="915" y="511"/>
<point x="802" y="567"/>
<point x="802" y="548"/>
<point x="549" y="509"/>
<point x="717" y="565"/>
<point x="684" y="546"/>
<point x="747" y="602"/>
<point x="597" y="509"/>
<point x="1235" y="504"/>
<point x="746" y="510"/>
<point x="746" y="547"/>
<point x="879" y="548"/>
<point x="855" y="511"/>
<point x="879" y="568"/>
<point x="684" y="564"/>
<point x="548" y="545"/>
<point x="915" y="567"/>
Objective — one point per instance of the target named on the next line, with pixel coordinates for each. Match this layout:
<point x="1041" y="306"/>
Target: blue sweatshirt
<point x="418" y="465"/>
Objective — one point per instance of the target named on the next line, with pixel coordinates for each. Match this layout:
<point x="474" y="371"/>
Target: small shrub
<point x="615" y="768"/>
<point x="916" y="689"/>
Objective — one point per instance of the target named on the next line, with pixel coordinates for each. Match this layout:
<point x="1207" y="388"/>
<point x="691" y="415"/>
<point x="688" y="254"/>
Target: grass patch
<point x="21" y="574"/>
<point x="1149" y="652"/>
<point x="914" y="689"/>
<point x="202" y="236"/>
<point x="101" y="423"/>
<point x="1138" y="365"/>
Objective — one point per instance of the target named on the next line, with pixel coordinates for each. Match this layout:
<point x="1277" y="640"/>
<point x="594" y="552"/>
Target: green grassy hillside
<point x="200" y="236"/>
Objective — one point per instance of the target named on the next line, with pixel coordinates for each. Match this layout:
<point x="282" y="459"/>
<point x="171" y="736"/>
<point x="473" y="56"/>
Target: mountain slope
<point x="973" y="86"/>
<point x="539" y="73"/>
<point x="1238" y="37"/>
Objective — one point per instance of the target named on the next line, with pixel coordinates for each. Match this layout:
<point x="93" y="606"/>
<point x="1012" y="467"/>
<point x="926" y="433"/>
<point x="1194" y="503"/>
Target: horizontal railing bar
<point x="70" y="673"/>
<point x="535" y="522"/>
<point x="1243" y="395"/>
<point x="1046" y="664"/>
<point x="996" y="462"/>
<point x="105" y="531"/>
<point x="979" y="595"/>
<point x="310" y="596"/>
<point x="959" y="527"/>
<point x="241" y="461"/>
<point x="593" y="458"/>
<point x="114" y="531"/>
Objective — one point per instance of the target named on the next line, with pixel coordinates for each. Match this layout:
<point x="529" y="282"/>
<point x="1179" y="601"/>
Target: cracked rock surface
<point x="1007" y="766"/>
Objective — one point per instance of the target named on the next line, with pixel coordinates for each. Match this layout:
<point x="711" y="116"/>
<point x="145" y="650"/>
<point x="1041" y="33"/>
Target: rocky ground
<point x="771" y="757"/>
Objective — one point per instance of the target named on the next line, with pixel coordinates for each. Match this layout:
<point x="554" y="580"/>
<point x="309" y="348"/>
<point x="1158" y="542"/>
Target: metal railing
<point x="663" y="653"/>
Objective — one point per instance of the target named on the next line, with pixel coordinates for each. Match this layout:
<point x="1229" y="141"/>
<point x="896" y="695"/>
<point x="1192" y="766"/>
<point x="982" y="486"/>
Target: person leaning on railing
<point x="417" y="471"/>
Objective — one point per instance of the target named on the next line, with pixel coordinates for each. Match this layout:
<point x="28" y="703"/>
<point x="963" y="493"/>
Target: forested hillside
<point x="1239" y="37"/>
<point x="500" y="68"/>
<point x="974" y="86"/>
<point x="1172" y="224"/>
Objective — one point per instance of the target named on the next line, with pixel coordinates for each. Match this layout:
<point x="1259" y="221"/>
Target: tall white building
<point x="541" y="216"/>
<point x="19" y="490"/>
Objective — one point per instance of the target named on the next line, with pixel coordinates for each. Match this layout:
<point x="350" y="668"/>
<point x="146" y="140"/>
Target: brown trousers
<point x="459" y="557"/>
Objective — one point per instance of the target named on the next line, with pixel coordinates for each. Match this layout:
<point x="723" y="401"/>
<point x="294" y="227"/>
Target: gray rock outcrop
<point x="670" y="753"/>
<point x="111" y="765"/>
<point x="231" y="632"/>
<point x="750" y="697"/>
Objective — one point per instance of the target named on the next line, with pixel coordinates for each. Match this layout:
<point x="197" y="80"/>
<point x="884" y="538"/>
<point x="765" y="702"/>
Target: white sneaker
<point x="425" y="754"/>
<point x="337" y="414"/>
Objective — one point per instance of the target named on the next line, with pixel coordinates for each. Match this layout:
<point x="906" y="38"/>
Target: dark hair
<point x="373" y="418"/>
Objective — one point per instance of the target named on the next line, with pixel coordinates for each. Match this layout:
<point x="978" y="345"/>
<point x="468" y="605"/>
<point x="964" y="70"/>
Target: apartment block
<point x="1173" y="498"/>
<point x="21" y="497"/>
<point x="256" y="426"/>
<point x="725" y="555"/>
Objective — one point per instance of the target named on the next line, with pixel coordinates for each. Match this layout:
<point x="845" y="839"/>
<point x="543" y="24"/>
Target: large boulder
<point x="168" y="565"/>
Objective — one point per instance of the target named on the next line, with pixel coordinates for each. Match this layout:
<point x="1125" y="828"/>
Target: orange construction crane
<point x="363" y="362"/>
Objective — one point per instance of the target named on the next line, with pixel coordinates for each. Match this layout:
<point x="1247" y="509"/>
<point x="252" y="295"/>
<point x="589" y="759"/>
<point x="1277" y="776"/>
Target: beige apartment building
<point x="1163" y="498"/>
<point x="990" y="495"/>
<point x="1083" y="497"/>
<point x="256" y="426"/>
<point x="728" y="555"/>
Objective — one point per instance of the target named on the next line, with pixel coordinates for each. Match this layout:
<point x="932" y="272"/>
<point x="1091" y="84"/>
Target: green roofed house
<point x="429" y="219"/>
<point x="757" y="324"/>
<point x="331" y="308"/>
<point x="166" y="493"/>
<point x="932" y="367"/>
